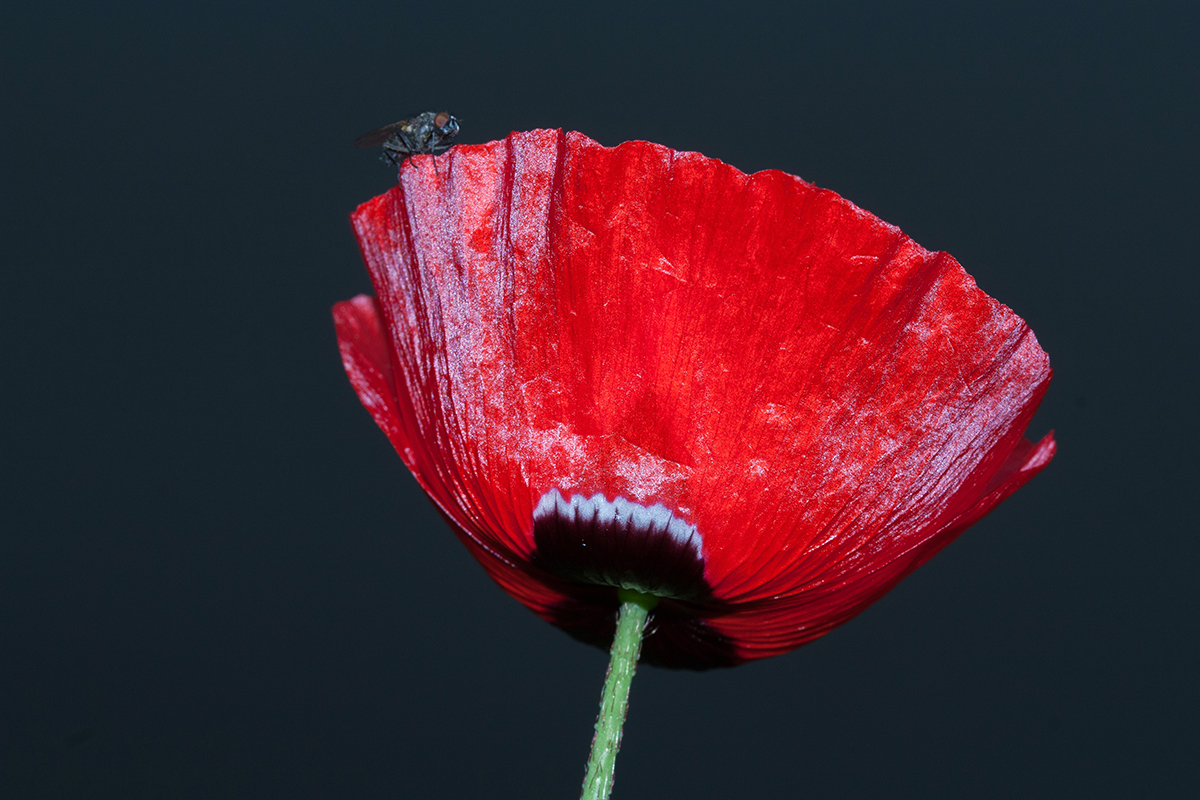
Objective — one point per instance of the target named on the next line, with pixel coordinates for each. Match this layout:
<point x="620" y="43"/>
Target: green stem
<point x="614" y="702"/>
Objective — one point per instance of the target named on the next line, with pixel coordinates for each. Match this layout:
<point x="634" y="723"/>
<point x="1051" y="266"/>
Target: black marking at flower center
<point x="619" y="543"/>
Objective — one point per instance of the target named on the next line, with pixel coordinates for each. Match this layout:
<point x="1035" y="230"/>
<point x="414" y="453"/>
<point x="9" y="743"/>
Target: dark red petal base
<point x="678" y="636"/>
<point x="600" y="545"/>
<point x="619" y="543"/>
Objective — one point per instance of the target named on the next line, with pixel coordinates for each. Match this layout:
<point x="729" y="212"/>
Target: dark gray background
<point x="217" y="579"/>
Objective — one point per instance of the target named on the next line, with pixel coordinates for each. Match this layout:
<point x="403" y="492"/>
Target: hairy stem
<point x="614" y="702"/>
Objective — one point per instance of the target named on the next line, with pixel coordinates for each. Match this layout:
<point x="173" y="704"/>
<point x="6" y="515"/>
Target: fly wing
<point x="379" y="135"/>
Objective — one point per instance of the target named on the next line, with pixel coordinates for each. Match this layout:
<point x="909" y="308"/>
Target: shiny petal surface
<point x="824" y="400"/>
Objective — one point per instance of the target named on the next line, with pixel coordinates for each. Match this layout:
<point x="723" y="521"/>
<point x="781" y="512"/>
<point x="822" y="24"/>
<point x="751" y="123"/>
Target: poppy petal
<point x="781" y="624"/>
<point x="365" y="356"/>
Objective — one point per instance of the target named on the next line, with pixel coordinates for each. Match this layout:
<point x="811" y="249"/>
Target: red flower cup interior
<point x="636" y="367"/>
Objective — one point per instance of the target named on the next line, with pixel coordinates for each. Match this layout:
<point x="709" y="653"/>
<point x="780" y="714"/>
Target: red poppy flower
<point x="635" y="367"/>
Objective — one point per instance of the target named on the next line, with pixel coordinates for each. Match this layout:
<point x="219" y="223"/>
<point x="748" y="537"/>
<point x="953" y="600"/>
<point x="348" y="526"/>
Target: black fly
<point x="430" y="132"/>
